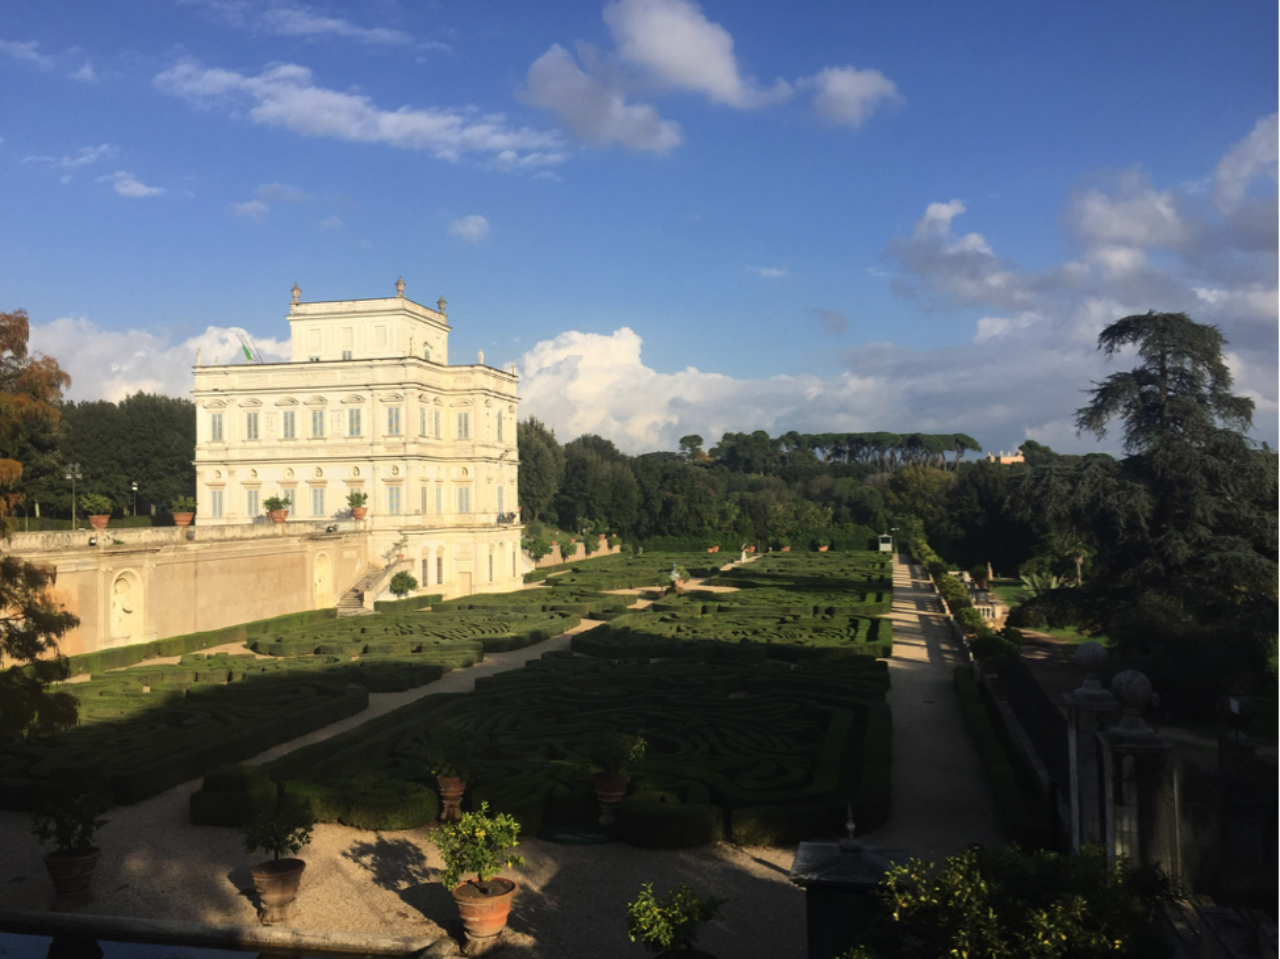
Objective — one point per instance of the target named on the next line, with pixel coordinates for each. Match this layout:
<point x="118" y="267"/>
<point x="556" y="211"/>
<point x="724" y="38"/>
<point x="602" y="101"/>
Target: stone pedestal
<point x="1090" y="709"/>
<point x="838" y="879"/>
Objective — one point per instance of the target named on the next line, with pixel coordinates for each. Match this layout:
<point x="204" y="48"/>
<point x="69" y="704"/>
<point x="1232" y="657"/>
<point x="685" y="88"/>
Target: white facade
<point x="369" y="404"/>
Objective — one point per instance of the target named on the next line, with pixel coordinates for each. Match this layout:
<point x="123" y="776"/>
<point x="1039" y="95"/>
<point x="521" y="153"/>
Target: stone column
<point x="1089" y="710"/>
<point x="1136" y="759"/>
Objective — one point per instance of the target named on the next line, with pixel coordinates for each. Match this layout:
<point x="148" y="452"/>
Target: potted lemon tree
<point x="183" y="509"/>
<point x="284" y="830"/>
<point x="478" y="845"/>
<point x="358" y="503"/>
<point x="71" y="827"/>
<point x="669" y="926"/>
<point x="448" y="756"/>
<point x="277" y="507"/>
<point x="98" y="508"/>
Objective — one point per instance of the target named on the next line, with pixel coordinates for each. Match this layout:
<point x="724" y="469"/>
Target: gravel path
<point x="572" y="900"/>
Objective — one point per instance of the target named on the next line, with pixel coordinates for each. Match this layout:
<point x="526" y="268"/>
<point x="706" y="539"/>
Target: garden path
<point x="941" y="801"/>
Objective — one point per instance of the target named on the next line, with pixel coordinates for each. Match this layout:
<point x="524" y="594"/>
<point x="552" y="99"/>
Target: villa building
<point x="369" y="404"/>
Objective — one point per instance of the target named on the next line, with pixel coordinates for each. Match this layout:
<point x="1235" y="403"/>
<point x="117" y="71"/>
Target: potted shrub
<point x="479" y="845"/>
<point x="669" y="926"/>
<point x="183" y="509"/>
<point x="448" y="758"/>
<point x="824" y="543"/>
<point x="611" y="753"/>
<point x="784" y="545"/>
<point x="358" y="504"/>
<point x="98" y="508"/>
<point x="277" y="507"/>
<point x="71" y="826"/>
<point x="285" y="830"/>
<point x="403" y="583"/>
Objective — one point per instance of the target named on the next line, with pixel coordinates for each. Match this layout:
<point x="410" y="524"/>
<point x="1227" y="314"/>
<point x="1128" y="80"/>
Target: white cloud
<point x="110" y="365"/>
<point x="768" y="272"/>
<point x="85" y="73"/>
<point x="677" y="44"/>
<point x="286" y="96"/>
<point x="83" y="157"/>
<point x="26" y="51"/>
<point x="300" y="20"/>
<point x="126" y="184"/>
<point x="591" y="108"/>
<point x="281" y="193"/>
<point x="254" y="210"/>
<point x="1254" y="156"/>
<point x="472" y="229"/>
<point x="848" y="96"/>
<point x="331" y="223"/>
<point x="1136" y="215"/>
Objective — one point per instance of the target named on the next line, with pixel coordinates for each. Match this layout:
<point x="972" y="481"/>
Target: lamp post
<point x="134" y="484"/>
<point x="73" y="474"/>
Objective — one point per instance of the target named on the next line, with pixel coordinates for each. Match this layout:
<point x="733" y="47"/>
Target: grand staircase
<point x="352" y="601"/>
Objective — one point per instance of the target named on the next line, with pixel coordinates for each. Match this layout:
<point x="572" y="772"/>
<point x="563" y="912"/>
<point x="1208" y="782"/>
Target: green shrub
<point x="403" y="583"/>
<point x="233" y="796"/>
<point x="670" y="924"/>
<point x="658" y="820"/>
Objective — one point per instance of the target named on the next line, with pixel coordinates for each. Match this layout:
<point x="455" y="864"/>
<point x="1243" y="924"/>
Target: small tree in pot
<point x="479" y="845"/>
<point x="448" y="758"/>
<point x="358" y="503"/>
<point x="403" y="583"/>
<point x="612" y="752"/>
<point x="71" y="827"/>
<point x="183" y="509"/>
<point x="98" y="508"/>
<point x="277" y="507"/>
<point x="285" y="830"/>
<point x="669" y="925"/>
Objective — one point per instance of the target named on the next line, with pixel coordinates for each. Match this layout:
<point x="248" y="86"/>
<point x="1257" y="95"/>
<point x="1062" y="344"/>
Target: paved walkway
<point x="940" y="800"/>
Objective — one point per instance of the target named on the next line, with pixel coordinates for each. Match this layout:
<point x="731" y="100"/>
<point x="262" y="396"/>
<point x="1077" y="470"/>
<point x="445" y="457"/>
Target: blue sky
<point x="674" y="217"/>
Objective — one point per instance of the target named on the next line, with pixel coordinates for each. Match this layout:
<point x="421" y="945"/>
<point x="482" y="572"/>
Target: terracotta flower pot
<point x="786" y="549"/>
<point x="823" y="549"/>
<point x="278" y="515"/>
<point x="277" y="884"/>
<point x="359" y="512"/>
<point x="610" y="788"/>
<point x="451" y="790"/>
<point x="72" y="873"/>
<point x="98" y="521"/>
<point x="484" y="916"/>
<point x="183" y="519"/>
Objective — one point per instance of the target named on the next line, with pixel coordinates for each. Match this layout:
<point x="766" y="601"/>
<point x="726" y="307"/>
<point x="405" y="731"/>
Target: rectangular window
<point x="439" y="570"/>
<point x="464" y="426"/>
<point x="513" y="565"/>
<point x="499" y="426"/>
<point x="439" y="499"/>
<point x="251" y="503"/>
<point x="425" y="569"/>
<point x="422" y="424"/>
<point x="464" y="499"/>
<point x="436" y="422"/>
<point x="393" y="500"/>
<point x="215" y="427"/>
<point x="423" y="510"/>
<point x="353" y="422"/>
<point x="500" y="500"/>
<point x="215" y="503"/>
<point x="491" y="567"/>
<point x="251" y="426"/>
<point x="317" y="501"/>
<point x="346" y="354"/>
<point x="287" y="429"/>
<point x="393" y="421"/>
<point x="317" y="424"/>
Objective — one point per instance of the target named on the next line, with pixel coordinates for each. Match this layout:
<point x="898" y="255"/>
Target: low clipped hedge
<point x="232" y="796"/>
<point x="659" y="820"/>
<point x="1017" y="817"/>
<point x="408" y="604"/>
<point x="387" y="804"/>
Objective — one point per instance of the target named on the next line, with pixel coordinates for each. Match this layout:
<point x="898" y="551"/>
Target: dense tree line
<point x="145" y="439"/>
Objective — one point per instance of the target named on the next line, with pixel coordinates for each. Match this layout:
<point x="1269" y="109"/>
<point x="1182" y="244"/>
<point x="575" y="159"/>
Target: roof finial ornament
<point x="441" y="304"/>
<point x="400" y="286"/>
<point x="296" y="291"/>
<point x="480" y="357"/>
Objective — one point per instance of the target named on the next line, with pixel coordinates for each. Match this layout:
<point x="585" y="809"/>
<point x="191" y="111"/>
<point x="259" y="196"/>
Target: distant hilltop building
<point x="1005" y="459"/>
<point x="369" y="405"/>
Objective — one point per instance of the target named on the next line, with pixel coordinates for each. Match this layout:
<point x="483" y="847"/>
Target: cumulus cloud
<point x="592" y="108"/>
<point x="472" y="229"/>
<point x="1253" y="157"/>
<point x="254" y="210"/>
<point x="674" y="42"/>
<point x="286" y="96"/>
<point x="126" y="184"/>
<point x="848" y="96"/>
<point x="110" y="365"/>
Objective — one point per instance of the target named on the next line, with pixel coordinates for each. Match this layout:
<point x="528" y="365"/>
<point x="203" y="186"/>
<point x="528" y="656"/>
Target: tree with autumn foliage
<point x="31" y="621"/>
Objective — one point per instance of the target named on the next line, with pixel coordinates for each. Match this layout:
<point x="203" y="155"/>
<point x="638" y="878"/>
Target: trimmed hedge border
<point x="408" y="604"/>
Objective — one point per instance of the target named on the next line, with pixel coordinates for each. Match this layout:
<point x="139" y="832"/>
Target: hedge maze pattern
<point x="759" y="753"/>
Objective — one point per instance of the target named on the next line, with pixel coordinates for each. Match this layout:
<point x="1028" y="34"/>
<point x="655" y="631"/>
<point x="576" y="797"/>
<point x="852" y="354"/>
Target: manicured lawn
<point x="1011" y="592"/>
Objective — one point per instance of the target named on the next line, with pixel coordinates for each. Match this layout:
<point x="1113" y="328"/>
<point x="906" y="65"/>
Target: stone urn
<point x="278" y="515"/>
<point x="277" y="883"/>
<point x="451" y="790"/>
<point x="484" y="913"/>
<point x="610" y="788"/>
<point x="99" y="521"/>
